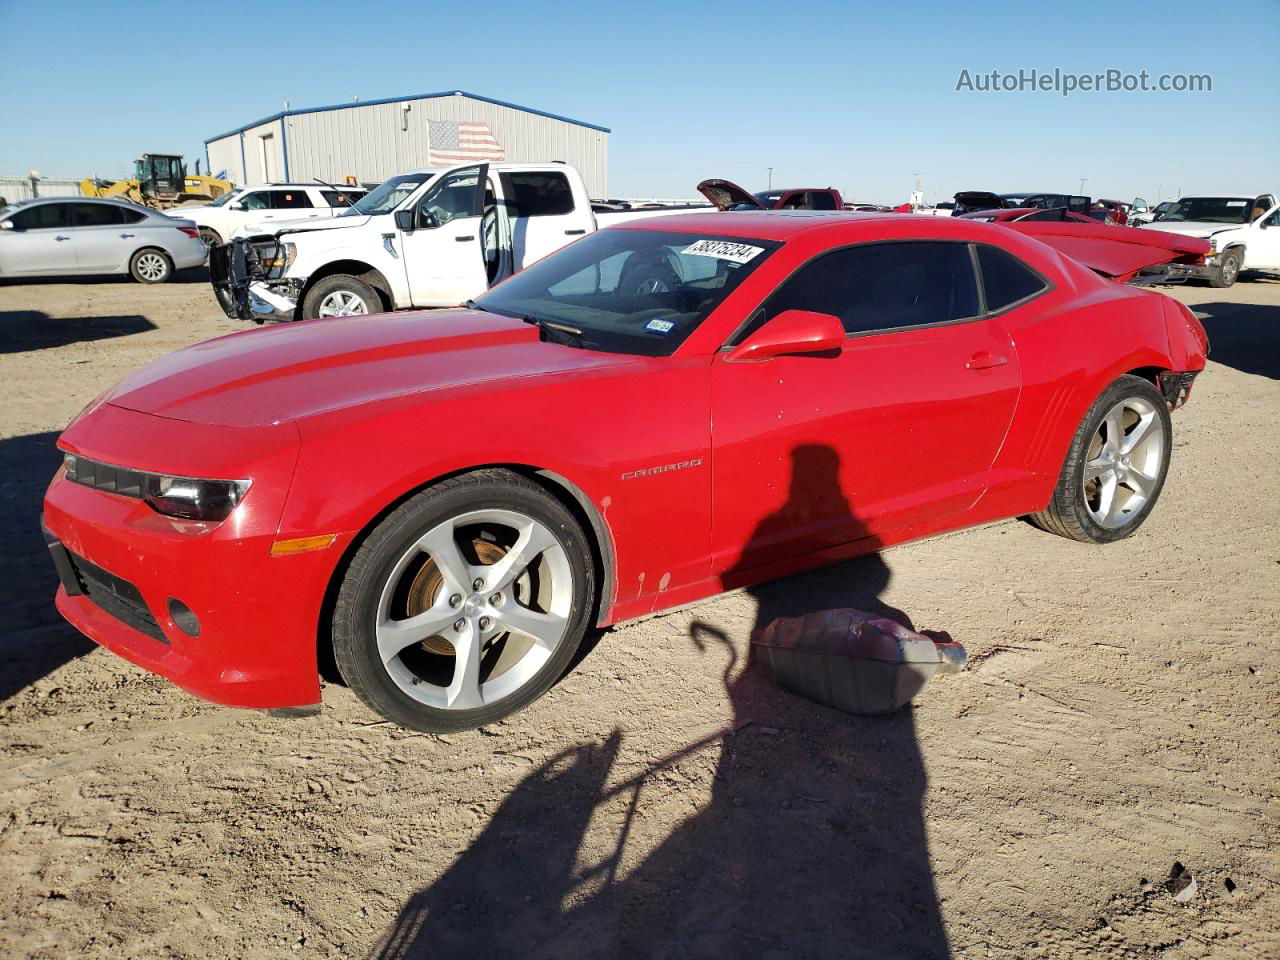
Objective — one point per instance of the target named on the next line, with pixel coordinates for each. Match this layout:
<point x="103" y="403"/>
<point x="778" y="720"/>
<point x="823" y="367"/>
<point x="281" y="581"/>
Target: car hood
<point x="1190" y="228"/>
<point x="303" y="225"/>
<point x="725" y="194"/>
<point x="293" y="371"/>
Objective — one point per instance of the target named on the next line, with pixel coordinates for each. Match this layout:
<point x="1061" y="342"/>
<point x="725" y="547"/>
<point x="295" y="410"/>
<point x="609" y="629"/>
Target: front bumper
<point x="248" y="290"/>
<point x="121" y="564"/>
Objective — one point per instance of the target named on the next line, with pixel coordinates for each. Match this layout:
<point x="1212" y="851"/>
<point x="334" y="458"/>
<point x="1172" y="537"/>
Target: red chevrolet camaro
<point x="449" y="500"/>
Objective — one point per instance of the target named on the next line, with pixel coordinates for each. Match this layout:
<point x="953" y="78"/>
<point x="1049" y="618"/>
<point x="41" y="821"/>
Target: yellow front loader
<point x="160" y="181"/>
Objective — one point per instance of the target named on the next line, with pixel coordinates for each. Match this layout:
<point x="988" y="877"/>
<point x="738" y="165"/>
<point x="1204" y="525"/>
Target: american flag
<point x="458" y="142"/>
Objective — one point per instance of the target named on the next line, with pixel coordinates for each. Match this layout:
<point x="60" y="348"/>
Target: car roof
<point x="107" y="201"/>
<point x="301" y="186"/>
<point x="785" y="225"/>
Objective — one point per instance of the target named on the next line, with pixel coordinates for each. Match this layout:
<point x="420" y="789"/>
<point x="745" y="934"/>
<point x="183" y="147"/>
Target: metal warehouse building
<point x="375" y="139"/>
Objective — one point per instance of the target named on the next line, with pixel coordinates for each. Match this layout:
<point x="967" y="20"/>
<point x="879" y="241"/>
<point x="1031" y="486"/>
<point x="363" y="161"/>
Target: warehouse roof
<point x="416" y="96"/>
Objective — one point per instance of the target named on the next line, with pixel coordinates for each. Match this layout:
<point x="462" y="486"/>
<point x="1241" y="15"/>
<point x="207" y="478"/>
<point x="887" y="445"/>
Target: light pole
<point x="1082" y="183"/>
<point x="770" y="169"/>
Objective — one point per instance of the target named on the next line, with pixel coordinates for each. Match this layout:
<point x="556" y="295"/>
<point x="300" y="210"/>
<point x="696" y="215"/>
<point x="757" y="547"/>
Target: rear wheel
<point x="150" y="266"/>
<point x="210" y="237"/>
<point x="340" y="295"/>
<point x="1115" y="468"/>
<point x="1229" y="265"/>
<point x="465" y="604"/>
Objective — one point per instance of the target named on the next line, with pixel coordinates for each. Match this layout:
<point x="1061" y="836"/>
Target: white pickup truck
<point x="431" y="238"/>
<point x="1244" y="231"/>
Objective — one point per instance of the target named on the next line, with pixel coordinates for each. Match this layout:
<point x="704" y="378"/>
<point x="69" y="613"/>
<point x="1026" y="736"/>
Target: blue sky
<point x="826" y="93"/>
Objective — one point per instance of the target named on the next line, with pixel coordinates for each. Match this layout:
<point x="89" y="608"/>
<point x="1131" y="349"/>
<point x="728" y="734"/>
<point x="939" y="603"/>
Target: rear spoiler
<point x="1120" y="253"/>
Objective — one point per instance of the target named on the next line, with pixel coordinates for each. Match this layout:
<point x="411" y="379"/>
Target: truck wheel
<point x="340" y="295"/>
<point x="465" y="604"/>
<point x="1228" y="269"/>
<point x="1115" y="467"/>
<point x="150" y="266"/>
<point x="210" y="237"/>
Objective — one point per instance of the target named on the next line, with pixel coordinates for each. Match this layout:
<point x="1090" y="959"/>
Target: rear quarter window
<point x="1006" y="280"/>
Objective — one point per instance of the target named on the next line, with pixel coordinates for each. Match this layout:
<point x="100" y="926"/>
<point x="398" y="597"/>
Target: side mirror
<point x="404" y="220"/>
<point x="235" y="205"/>
<point x="792" y="333"/>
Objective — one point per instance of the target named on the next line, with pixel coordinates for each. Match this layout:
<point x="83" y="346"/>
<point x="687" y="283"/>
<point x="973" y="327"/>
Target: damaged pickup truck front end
<point x="248" y="278"/>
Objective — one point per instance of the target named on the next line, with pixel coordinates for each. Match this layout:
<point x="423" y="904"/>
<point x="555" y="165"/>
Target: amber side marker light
<point x="285" y="548"/>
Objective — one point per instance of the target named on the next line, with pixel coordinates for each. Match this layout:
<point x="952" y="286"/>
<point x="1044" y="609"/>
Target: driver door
<point x="444" y="253"/>
<point x="1263" y="249"/>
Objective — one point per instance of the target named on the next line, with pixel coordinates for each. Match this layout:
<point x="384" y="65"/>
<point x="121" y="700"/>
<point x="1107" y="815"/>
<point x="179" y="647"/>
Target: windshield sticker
<point x="1236" y="203"/>
<point x="723" y="250"/>
<point x="660" y="326"/>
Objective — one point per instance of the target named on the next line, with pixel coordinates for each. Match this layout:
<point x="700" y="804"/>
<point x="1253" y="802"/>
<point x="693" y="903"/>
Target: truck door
<point x="443" y="253"/>
<point x="544" y="214"/>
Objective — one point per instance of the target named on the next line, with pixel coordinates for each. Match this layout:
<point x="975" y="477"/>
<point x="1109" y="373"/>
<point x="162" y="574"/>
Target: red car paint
<point x="334" y="420"/>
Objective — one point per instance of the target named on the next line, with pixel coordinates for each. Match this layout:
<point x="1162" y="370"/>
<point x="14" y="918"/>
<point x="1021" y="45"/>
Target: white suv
<point x="266" y="204"/>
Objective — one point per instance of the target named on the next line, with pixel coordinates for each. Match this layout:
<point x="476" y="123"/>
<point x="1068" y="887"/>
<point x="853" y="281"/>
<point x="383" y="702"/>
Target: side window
<point x="290" y="200"/>
<point x="884" y="286"/>
<point x="794" y="201"/>
<point x="257" y="200"/>
<point x="341" y="198"/>
<point x="540" y="195"/>
<point x="95" y="215"/>
<point x="130" y="216"/>
<point x="1054" y="214"/>
<point x="1261" y="206"/>
<point x="451" y="198"/>
<point x="46" y="216"/>
<point x="821" y="200"/>
<point x="1006" y="279"/>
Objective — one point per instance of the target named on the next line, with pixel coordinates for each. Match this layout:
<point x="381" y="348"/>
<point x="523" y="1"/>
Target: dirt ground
<point x="664" y="800"/>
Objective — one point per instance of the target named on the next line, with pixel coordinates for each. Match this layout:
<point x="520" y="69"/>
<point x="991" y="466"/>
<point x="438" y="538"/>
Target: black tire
<point x="1068" y="514"/>
<point x="648" y="278"/>
<point x="150" y="265"/>
<point x="210" y="237"/>
<point x="340" y="283"/>
<point x="1229" y="266"/>
<point x="356" y="611"/>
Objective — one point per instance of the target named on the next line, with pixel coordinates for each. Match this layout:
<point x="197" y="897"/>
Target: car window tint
<point x="256" y="201"/>
<point x="95" y="214"/>
<point x="1005" y="278"/>
<point x="130" y="216"/>
<point x="820" y="200"/>
<point x="341" y="198"/>
<point x="45" y="216"/>
<point x="290" y="200"/>
<point x="884" y="286"/>
<point x="540" y="195"/>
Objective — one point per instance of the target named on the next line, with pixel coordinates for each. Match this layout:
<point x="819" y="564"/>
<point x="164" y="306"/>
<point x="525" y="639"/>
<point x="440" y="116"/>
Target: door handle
<point x="60" y="238"/>
<point x="985" y="361"/>
<point x="126" y="236"/>
<point x="574" y="233"/>
<point x="464" y="239"/>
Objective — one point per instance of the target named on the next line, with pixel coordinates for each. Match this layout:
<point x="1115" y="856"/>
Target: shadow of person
<point x="812" y="843"/>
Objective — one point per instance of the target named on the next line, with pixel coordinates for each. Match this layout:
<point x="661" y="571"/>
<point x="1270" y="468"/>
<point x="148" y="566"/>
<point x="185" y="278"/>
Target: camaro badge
<point x="665" y="468"/>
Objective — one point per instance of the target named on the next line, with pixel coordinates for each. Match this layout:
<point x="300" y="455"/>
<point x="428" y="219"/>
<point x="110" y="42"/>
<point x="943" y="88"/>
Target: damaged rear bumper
<point x="247" y="288"/>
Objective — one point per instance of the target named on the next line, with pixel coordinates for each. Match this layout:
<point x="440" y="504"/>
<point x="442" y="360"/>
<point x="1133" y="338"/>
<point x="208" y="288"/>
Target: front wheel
<point x="340" y="295"/>
<point x="1115" y="468"/>
<point x="465" y="604"/>
<point x="1229" y="265"/>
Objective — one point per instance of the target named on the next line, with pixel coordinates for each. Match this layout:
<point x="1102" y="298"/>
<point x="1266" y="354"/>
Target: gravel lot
<point x="1119" y="716"/>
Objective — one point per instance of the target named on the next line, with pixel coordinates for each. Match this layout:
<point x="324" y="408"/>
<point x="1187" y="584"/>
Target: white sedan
<point x="82" y="235"/>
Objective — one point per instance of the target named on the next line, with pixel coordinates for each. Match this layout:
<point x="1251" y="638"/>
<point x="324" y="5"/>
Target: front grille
<point x="103" y="476"/>
<point x="116" y="596"/>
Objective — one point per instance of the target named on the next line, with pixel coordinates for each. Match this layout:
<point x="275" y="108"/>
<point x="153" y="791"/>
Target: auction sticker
<point x="723" y="250"/>
<point x="659" y="326"/>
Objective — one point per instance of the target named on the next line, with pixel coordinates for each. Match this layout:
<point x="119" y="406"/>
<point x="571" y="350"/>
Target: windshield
<point x="227" y="197"/>
<point x="629" y="291"/>
<point x="1210" y="210"/>
<point x="387" y="196"/>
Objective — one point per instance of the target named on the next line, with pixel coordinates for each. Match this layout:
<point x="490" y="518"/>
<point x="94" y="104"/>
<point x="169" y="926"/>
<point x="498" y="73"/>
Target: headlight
<point x="193" y="499"/>
<point x="1213" y="243"/>
<point x="289" y="253"/>
<point x="187" y="497"/>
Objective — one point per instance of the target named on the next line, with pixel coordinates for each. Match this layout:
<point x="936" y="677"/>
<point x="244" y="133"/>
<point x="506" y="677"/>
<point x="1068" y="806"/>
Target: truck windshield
<point x="386" y="196"/>
<point x="629" y="291"/>
<point x="227" y="197"/>
<point x="1210" y="210"/>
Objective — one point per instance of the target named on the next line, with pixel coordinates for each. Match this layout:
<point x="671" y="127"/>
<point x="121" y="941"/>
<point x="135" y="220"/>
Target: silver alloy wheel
<point x="500" y="621"/>
<point x="1124" y="463"/>
<point x="1230" y="269"/>
<point x="152" y="266"/>
<point x="342" y="303"/>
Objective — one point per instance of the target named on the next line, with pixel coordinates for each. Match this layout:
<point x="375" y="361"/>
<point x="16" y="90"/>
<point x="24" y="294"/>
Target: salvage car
<point x="1243" y="230"/>
<point x="446" y="502"/>
<point x="727" y="195"/>
<point x="64" y="236"/>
